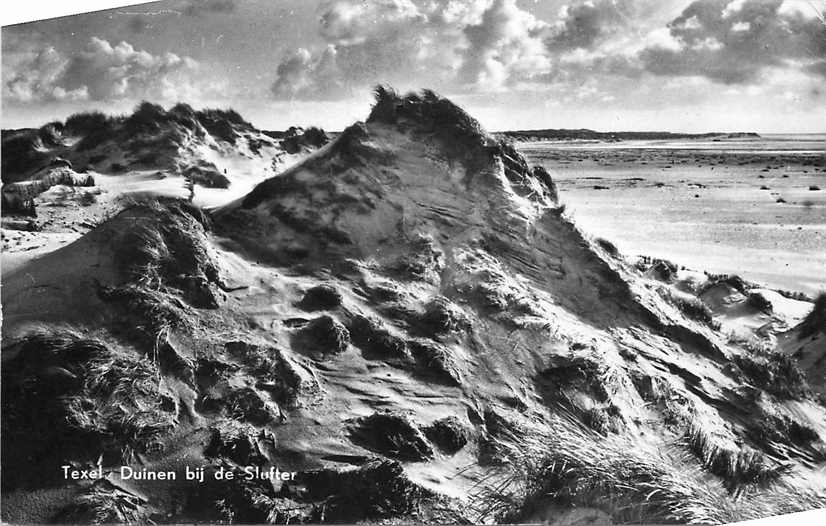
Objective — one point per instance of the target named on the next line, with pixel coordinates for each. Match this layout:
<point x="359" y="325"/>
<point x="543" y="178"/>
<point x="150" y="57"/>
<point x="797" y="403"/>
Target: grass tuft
<point x="69" y="395"/>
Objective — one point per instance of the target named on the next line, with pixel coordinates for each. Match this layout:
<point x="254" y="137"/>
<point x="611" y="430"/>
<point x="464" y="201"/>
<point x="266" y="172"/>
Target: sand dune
<point x="410" y="321"/>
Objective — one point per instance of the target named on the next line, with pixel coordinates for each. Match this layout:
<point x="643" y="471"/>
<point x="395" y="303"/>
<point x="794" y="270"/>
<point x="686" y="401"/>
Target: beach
<point x="753" y="207"/>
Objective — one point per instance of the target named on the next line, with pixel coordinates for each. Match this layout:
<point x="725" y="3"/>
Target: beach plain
<point x="749" y="206"/>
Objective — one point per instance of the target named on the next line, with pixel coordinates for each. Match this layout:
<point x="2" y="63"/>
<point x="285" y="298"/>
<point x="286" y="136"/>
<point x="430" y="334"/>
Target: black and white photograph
<point x="414" y="262"/>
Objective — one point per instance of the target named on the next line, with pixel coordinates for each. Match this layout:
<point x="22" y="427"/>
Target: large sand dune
<point x="409" y="320"/>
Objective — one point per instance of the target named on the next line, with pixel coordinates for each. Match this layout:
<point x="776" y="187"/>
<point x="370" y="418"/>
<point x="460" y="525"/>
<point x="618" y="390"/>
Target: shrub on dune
<point x="815" y="321"/>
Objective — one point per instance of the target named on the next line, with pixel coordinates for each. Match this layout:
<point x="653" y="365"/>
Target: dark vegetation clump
<point x="392" y="435"/>
<point x="152" y="312"/>
<point x="372" y="337"/>
<point x="237" y="442"/>
<point x="572" y="373"/>
<point x="776" y="373"/>
<point x="320" y="297"/>
<point x="244" y="404"/>
<point x="148" y="118"/>
<point x="86" y="123"/>
<point x="776" y="433"/>
<point x="228" y="115"/>
<point x="296" y="140"/>
<point x="376" y="491"/>
<point x="693" y="307"/>
<point x="50" y="134"/>
<point x="441" y="316"/>
<point x="545" y="178"/>
<point x="167" y="246"/>
<point x="150" y="125"/>
<point x="95" y="128"/>
<point x="105" y="503"/>
<point x="222" y="123"/>
<point x="166" y="269"/>
<point x="738" y="467"/>
<point x="239" y="501"/>
<point x="815" y="321"/>
<point x="461" y="134"/>
<point x="324" y="335"/>
<point x="20" y="155"/>
<point x="569" y="466"/>
<point x="437" y="360"/>
<point x="16" y="205"/>
<point x="423" y="261"/>
<point x="448" y="434"/>
<point x="70" y="397"/>
<point x="664" y="270"/>
<point x="732" y="280"/>
<point x="275" y="374"/>
<point x="759" y="302"/>
<point x="795" y="295"/>
<point x="610" y="248"/>
<point x="206" y="174"/>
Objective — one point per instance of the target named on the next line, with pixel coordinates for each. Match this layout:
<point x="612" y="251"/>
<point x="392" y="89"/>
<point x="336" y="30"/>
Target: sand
<point x="742" y="207"/>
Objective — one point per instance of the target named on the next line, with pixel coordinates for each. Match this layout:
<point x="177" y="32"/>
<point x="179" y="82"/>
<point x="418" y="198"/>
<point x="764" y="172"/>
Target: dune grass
<point x="570" y="466"/>
<point x="104" y="503"/>
<point x="75" y="396"/>
<point x="166" y="267"/>
<point x="774" y="372"/>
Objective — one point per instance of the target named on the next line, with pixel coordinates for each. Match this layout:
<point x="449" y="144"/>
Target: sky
<point x="677" y="65"/>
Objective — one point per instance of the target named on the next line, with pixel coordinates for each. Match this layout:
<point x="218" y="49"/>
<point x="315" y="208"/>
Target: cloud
<point x="99" y="72"/>
<point x="733" y="42"/>
<point x="586" y="24"/>
<point x="480" y="44"/>
<point x="505" y="47"/>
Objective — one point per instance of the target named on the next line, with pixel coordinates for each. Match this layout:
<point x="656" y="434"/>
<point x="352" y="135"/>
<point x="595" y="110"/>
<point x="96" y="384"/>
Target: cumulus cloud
<point x="735" y="41"/>
<point x="444" y="44"/>
<point x="100" y="71"/>
<point x="586" y="24"/>
<point x="505" y="47"/>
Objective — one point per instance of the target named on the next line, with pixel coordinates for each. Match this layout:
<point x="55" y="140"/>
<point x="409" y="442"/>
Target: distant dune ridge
<point x="408" y="320"/>
<point x="585" y="134"/>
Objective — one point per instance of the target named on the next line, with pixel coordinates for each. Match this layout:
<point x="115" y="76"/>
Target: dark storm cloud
<point x="734" y="41"/>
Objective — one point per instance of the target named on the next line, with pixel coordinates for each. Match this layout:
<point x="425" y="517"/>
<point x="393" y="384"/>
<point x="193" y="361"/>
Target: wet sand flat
<point x="754" y="208"/>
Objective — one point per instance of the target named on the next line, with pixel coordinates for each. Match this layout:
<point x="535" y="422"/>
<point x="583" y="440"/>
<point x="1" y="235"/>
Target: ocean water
<point x="754" y="207"/>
